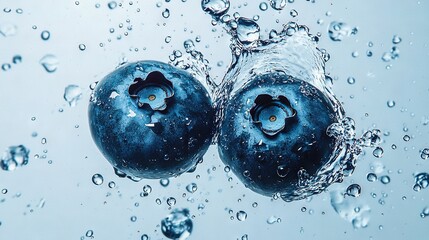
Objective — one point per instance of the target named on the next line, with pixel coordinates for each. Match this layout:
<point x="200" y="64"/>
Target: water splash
<point x="193" y="61"/>
<point x="293" y="52"/>
<point x="350" y="209"/>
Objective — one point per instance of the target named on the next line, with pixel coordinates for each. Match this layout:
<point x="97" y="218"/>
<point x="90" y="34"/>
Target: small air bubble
<point x="97" y="179"/>
<point x="351" y="80"/>
<point x="89" y="233"/>
<point x="82" y="47"/>
<point x="391" y="103"/>
<point x="406" y="138"/>
<point x="354" y="190"/>
<point x="166" y="13"/>
<point x="45" y="35"/>
<point x="263" y="6"/>
<point x="385" y="179"/>
<point x="112" y="5"/>
<point x="378" y="152"/>
<point x="371" y="177"/>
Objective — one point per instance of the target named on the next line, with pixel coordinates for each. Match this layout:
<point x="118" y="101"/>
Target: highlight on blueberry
<point x="273" y="135"/>
<point x="151" y="120"/>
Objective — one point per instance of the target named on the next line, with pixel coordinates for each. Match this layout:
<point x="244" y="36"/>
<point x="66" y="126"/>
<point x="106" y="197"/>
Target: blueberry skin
<point x="151" y="141"/>
<point x="268" y="161"/>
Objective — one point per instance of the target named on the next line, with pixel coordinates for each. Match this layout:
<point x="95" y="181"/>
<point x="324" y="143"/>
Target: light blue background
<point x="73" y="204"/>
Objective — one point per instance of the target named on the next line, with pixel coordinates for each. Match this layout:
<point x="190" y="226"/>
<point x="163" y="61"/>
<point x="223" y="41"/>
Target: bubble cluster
<point x="14" y="157"/>
<point x="421" y="181"/>
<point x="338" y="31"/>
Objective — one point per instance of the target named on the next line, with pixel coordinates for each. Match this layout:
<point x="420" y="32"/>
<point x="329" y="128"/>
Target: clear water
<point x="376" y="78"/>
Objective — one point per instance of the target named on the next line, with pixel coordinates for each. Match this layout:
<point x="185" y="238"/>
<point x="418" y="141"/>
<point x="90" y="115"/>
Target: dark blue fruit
<point x="151" y="120"/>
<point x="273" y="135"/>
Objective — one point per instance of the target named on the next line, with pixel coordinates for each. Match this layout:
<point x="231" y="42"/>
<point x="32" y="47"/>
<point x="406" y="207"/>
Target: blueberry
<point x="273" y="134"/>
<point x="151" y="120"/>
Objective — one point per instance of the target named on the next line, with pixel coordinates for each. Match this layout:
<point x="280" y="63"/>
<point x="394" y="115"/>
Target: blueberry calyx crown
<point x="154" y="91"/>
<point x="272" y="114"/>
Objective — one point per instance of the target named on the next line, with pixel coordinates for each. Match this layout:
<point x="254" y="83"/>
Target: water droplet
<point x="425" y="154"/>
<point x="216" y="8"/>
<point x="17" y="59"/>
<point x="13" y="157"/>
<point x="97" y="179"/>
<point x="272" y="220"/>
<point x="263" y="6"/>
<point x="191" y="188"/>
<point x="82" y="47"/>
<point x="147" y="189"/>
<point x="406" y="138"/>
<point x="167" y="39"/>
<point x="241" y="216"/>
<point x="351" y="80"/>
<point x="378" y="152"/>
<point x="171" y="201"/>
<point x="354" y="190"/>
<point x="396" y="39"/>
<point x="89" y="233"/>
<point x="248" y="31"/>
<point x="425" y="212"/>
<point x="45" y="35"/>
<point x="7" y="30"/>
<point x="391" y="103"/>
<point x="339" y="30"/>
<point x="144" y="237"/>
<point x="385" y="179"/>
<point x="164" y="182"/>
<point x="112" y="5"/>
<point x="278" y="4"/>
<point x="371" y="177"/>
<point x="6" y="66"/>
<point x="50" y="63"/>
<point x="19" y="10"/>
<point x="72" y="94"/>
<point x="133" y="218"/>
<point x="177" y="225"/>
<point x="166" y="13"/>
<point x="112" y="184"/>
